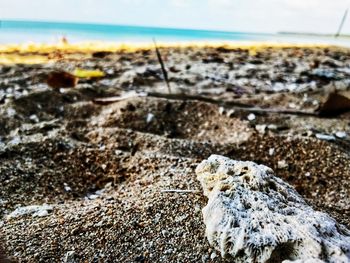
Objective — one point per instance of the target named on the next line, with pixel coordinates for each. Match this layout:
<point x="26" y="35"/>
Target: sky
<point x="269" y="16"/>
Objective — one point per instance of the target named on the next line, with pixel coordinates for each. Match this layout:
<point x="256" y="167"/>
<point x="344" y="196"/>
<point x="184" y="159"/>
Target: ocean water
<point x="14" y="32"/>
<point x="50" y="32"/>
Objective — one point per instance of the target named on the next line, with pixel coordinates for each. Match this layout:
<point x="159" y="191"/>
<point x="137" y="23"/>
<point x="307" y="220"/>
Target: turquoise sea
<point x="51" y="32"/>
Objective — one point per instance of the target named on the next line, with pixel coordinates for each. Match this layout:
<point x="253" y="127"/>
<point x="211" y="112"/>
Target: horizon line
<point x="131" y="25"/>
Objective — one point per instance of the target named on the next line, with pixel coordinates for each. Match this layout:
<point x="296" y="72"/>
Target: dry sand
<point x="103" y="169"/>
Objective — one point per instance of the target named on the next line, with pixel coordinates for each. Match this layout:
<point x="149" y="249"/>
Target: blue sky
<point x="321" y="16"/>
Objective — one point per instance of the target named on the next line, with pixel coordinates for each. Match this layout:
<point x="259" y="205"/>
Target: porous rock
<point x="254" y="216"/>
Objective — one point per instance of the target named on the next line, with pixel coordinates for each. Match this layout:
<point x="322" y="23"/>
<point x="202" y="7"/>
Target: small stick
<point x="109" y="100"/>
<point x="165" y="74"/>
<point x="179" y="191"/>
<point x="341" y="23"/>
<point x="106" y="101"/>
<point x="232" y="104"/>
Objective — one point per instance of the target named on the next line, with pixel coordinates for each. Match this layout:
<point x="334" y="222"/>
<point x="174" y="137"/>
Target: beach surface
<point x="86" y="178"/>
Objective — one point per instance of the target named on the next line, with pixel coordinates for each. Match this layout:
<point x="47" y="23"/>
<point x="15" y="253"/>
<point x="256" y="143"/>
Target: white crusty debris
<point x="253" y="216"/>
<point x="34" y="210"/>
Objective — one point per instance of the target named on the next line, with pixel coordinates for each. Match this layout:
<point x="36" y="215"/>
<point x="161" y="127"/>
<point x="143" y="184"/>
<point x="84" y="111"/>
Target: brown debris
<point x="61" y="79"/>
<point x="101" y="54"/>
<point x="336" y="103"/>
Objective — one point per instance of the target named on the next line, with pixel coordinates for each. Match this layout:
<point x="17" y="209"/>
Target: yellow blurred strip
<point x="20" y="59"/>
<point x="82" y="73"/>
<point x="34" y="53"/>
<point x="108" y="46"/>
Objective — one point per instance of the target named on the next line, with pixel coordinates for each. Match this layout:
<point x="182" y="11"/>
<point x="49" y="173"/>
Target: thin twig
<point x="179" y="191"/>
<point x="233" y="104"/>
<point x="230" y="104"/>
<point x="341" y="23"/>
<point x="165" y="74"/>
<point x="127" y="95"/>
<point x="109" y="100"/>
<point x="278" y="110"/>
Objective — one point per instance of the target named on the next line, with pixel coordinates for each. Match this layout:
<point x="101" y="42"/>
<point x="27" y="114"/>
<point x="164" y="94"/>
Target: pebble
<point x="213" y="255"/>
<point x="251" y="117"/>
<point x="292" y="105"/>
<point x="34" y="118"/>
<point x="221" y="110"/>
<point x="102" y="147"/>
<point x="341" y="134"/>
<point x="11" y="112"/>
<point x="93" y="196"/>
<point x="41" y="213"/>
<point x="261" y="128"/>
<point x="325" y="137"/>
<point x="150" y="117"/>
<point x="272" y="127"/>
<point x="69" y="257"/>
<point x="230" y="113"/>
<point x="2" y="146"/>
<point x="282" y="164"/>
<point x="67" y="188"/>
<point x="15" y="140"/>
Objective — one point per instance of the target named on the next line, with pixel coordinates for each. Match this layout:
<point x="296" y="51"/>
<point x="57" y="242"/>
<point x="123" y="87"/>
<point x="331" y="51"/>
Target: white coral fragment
<point x="253" y="216"/>
<point x="34" y="210"/>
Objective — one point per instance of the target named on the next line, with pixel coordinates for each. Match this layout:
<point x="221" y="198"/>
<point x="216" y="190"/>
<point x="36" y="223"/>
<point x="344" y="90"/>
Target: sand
<point x="106" y="170"/>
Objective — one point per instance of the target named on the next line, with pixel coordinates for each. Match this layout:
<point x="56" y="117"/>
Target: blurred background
<point x="174" y="20"/>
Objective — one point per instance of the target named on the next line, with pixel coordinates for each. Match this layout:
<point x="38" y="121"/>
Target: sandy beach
<point x="87" y="179"/>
